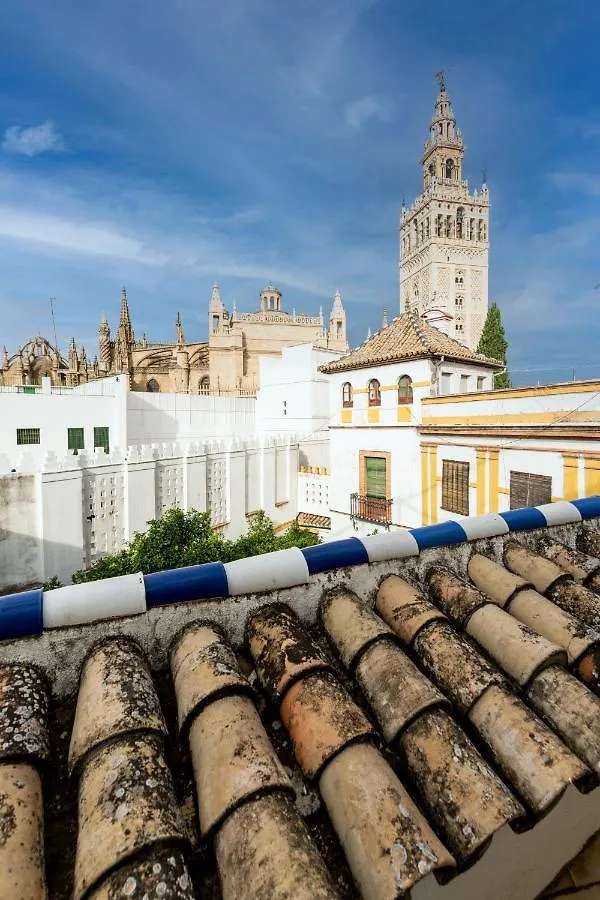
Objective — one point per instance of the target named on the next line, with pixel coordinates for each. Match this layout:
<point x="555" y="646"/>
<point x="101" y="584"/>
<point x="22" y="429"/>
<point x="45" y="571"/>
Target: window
<point x="28" y="436"/>
<point x="215" y="324"/>
<point x="374" y="393"/>
<point x="338" y="329"/>
<point x="153" y="387"/>
<point x="347" y="400"/>
<point x="460" y="327"/>
<point x="464" y="384"/>
<point x="460" y="300"/>
<point x="75" y="439"/>
<point x="449" y="168"/>
<point x="446" y="382"/>
<point x="405" y="394"/>
<point x="460" y="217"/>
<point x="529" y="490"/>
<point x="455" y="486"/>
<point x="101" y="437"/>
<point x="480" y="383"/>
<point x="376" y="477"/>
<point x="459" y="278"/>
<point x="204" y="386"/>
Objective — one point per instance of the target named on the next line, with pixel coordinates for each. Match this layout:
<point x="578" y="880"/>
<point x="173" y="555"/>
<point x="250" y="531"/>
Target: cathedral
<point x="227" y="363"/>
<point x="444" y="236"/>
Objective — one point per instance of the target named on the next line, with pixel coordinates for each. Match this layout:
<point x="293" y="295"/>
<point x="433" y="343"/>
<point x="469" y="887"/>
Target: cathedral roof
<point x="408" y="337"/>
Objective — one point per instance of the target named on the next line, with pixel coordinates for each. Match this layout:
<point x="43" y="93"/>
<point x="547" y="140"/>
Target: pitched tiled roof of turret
<point x="408" y="337"/>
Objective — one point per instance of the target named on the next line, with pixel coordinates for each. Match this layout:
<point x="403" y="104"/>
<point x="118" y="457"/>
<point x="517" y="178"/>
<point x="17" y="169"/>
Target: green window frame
<point x="28" y="436"/>
<point x="75" y="439"/>
<point x="376" y="472"/>
<point x="101" y="437"/>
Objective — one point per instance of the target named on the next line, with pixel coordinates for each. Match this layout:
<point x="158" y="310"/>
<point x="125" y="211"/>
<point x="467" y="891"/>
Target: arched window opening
<point x="471" y="234"/>
<point x="204" y="386"/>
<point x="449" y="226"/>
<point x="405" y="393"/>
<point x="460" y="300"/>
<point x="152" y="386"/>
<point x="439" y="220"/>
<point x="460" y="217"/>
<point x="459" y="278"/>
<point x="449" y="169"/>
<point x="480" y="231"/>
<point x="432" y="170"/>
<point x="374" y="393"/>
<point x="347" y="400"/>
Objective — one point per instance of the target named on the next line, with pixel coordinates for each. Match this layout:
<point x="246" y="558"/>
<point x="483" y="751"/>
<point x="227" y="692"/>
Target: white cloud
<point x="34" y="140"/>
<point x="359" y="112"/>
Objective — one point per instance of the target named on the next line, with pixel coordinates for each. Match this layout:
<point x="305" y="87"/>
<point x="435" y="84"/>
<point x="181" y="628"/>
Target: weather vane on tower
<point x="440" y="77"/>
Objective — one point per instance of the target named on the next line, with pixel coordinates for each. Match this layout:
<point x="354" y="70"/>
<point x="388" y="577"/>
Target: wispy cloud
<point x="33" y="140"/>
<point x="359" y="112"/>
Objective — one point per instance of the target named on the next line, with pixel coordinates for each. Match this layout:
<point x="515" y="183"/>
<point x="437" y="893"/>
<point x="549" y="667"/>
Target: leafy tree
<point x="493" y="343"/>
<point x="186" y="538"/>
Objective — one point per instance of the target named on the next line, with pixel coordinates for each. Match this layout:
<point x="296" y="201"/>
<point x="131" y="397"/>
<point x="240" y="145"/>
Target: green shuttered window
<point x="75" y="439"/>
<point x="376" y="477"/>
<point x="28" y="436"/>
<point x="101" y="438"/>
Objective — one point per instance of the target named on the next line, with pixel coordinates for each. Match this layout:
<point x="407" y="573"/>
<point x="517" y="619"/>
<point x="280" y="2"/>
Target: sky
<point x="168" y="144"/>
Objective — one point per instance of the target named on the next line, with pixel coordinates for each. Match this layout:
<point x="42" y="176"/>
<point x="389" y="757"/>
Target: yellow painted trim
<point x="557" y="499"/>
<point x="433" y="505"/>
<point x="347" y="417"/>
<point x="421" y="384"/>
<point x="494" y="479"/>
<point x="592" y="477"/>
<point x="425" y="485"/>
<point x="542" y="418"/>
<point x="512" y="393"/>
<point x="570" y="476"/>
<point x="373" y="413"/>
<point x="404" y="414"/>
<point x="505" y="491"/>
<point x="481" y="486"/>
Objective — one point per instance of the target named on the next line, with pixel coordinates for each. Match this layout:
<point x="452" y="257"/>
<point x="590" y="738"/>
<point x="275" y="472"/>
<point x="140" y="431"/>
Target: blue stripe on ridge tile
<point x="440" y="535"/>
<point x="187" y="583"/>
<point x="335" y="555"/>
<point x="21" y="614"/>
<point x="524" y="519"/>
<point x="589" y="507"/>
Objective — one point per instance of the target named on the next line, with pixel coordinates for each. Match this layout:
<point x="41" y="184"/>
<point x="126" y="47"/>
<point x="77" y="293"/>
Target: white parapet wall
<point x="77" y="509"/>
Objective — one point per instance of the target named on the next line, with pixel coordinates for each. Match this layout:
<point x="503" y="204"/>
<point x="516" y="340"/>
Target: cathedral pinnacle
<point x="179" y="330"/>
<point x="384" y="318"/>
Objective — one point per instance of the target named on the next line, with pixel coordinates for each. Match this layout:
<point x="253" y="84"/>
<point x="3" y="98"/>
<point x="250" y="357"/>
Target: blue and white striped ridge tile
<point x="335" y="555"/>
<point x="76" y="604"/>
<point x="525" y="519"/>
<point x="267" y="572"/>
<point x="442" y="535"/>
<point x="589" y="507"/>
<point x="486" y="526"/>
<point x="562" y="512"/>
<point x="21" y="614"/>
<point x="391" y="545"/>
<point x="186" y="583"/>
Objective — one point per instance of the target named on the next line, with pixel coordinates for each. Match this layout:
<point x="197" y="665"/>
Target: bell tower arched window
<point x="152" y="386"/>
<point x="460" y="217"/>
<point x="449" y="169"/>
<point x="374" y="393"/>
<point x="405" y="393"/>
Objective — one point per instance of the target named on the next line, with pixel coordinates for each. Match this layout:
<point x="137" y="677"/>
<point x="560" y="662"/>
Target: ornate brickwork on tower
<point x="444" y="235"/>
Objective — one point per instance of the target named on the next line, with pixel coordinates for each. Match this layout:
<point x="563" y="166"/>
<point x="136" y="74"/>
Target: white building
<point x="420" y="436"/>
<point x="444" y="240"/>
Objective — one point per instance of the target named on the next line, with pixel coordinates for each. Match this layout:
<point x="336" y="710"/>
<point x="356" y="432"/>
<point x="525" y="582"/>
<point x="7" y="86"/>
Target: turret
<point x="270" y="299"/>
<point x="337" y="338"/>
<point x="125" y="319"/>
<point x="104" y="345"/>
<point x="4" y="358"/>
<point x="179" y="331"/>
<point x="73" y="359"/>
<point x="444" y="149"/>
<point x="218" y="317"/>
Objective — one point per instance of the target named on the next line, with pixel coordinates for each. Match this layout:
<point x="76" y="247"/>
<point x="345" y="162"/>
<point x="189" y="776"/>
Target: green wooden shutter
<point x="75" y="438"/>
<point x="376" y="477"/>
<point x="101" y="437"/>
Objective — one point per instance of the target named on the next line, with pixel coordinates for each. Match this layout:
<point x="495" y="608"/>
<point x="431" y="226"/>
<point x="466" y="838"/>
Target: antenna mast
<point x="52" y="299"/>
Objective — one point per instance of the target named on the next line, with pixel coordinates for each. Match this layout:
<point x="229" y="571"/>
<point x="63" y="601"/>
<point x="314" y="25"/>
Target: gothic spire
<point x="73" y="360"/>
<point x="125" y="319"/>
<point x="179" y="330"/>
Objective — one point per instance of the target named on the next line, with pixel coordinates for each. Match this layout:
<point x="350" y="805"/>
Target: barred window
<point x="374" y="393"/>
<point x="75" y="439"/>
<point x="101" y="437"/>
<point x="405" y="392"/>
<point x="28" y="436"/>
<point x="529" y="490"/>
<point x="455" y="486"/>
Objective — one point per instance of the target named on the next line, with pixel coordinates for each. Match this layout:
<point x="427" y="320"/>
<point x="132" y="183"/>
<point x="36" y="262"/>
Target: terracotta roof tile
<point x="313" y="520"/>
<point x="377" y="750"/>
<point x="408" y="337"/>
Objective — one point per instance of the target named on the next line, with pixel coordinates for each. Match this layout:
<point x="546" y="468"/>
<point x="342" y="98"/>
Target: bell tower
<point x="444" y="234"/>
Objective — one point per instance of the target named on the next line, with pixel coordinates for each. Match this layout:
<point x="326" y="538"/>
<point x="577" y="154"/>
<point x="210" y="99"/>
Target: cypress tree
<point x="493" y="343"/>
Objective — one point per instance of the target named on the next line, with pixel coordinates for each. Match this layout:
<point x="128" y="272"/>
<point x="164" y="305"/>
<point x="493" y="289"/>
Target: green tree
<point x="493" y="343"/>
<point x="186" y="538"/>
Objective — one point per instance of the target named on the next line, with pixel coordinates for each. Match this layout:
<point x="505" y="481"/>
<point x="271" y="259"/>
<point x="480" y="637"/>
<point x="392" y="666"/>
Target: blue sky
<point x="166" y="145"/>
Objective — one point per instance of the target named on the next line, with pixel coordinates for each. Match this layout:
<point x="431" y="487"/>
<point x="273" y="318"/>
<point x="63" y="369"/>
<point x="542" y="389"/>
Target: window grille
<point x="374" y="393"/>
<point x="455" y="486"/>
<point x="28" y="436"/>
<point x="405" y="392"/>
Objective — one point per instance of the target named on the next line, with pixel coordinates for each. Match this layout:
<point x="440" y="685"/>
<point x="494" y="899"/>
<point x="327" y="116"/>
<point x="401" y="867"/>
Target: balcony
<point x="371" y="509"/>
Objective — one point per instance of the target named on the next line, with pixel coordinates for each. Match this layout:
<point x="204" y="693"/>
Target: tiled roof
<point x="408" y="337"/>
<point x="427" y="721"/>
<point x="312" y="520"/>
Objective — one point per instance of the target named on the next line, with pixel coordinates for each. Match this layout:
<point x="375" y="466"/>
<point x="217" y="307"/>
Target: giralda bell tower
<point x="444" y="235"/>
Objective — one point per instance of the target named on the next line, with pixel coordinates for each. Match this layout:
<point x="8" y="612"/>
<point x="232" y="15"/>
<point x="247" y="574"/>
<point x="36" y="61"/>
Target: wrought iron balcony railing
<point x="371" y="509"/>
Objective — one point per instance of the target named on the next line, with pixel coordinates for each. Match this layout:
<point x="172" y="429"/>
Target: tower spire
<point x="125" y="319"/>
<point x="179" y="330"/>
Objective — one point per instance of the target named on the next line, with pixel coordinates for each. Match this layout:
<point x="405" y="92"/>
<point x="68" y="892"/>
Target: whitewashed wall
<point x="79" y="508"/>
<point x="187" y="417"/>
